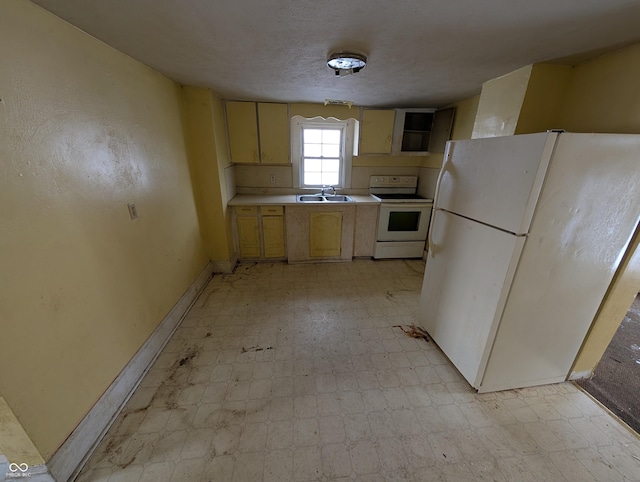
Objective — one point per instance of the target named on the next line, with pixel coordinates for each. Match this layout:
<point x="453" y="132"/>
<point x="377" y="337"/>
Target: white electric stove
<point x="404" y="217"/>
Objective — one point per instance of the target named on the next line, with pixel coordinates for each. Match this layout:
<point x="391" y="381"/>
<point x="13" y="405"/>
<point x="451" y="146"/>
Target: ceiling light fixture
<point x="346" y="63"/>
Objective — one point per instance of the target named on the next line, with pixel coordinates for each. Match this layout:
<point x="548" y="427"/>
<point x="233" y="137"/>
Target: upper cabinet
<point x="412" y="131"/>
<point x="376" y="131"/>
<point x="258" y="132"/>
<point x="405" y="131"/>
<point x="243" y="132"/>
<point x="418" y="131"/>
<point x="273" y="123"/>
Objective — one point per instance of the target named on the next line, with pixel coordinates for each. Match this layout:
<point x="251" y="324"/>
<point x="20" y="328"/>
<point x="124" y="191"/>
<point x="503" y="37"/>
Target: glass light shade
<point x="346" y="61"/>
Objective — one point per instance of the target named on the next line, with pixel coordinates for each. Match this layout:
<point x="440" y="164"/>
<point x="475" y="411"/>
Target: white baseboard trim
<point x="69" y="459"/>
<point x="580" y="375"/>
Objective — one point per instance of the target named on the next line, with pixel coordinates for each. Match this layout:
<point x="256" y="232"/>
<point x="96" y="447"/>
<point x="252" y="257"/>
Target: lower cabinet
<point x="306" y="234"/>
<point x="273" y="236"/>
<point x="325" y="234"/>
<point x="260" y="232"/>
<point x="248" y="236"/>
<point x="320" y="233"/>
<point x="365" y="230"/>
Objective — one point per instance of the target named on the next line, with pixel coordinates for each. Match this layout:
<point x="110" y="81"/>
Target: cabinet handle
<point x="247" y="210"/>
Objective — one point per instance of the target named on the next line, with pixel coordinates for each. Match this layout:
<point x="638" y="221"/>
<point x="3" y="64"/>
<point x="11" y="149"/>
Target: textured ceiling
<point x="422" y="53"/>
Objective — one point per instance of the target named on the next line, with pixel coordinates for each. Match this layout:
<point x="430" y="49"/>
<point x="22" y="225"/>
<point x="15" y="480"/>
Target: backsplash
<point x="249" y="176"/>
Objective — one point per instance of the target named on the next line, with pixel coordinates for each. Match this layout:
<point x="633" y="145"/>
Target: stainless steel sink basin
<point x="310" y="198"/>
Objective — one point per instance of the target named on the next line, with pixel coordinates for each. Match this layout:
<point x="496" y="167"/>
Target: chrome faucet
<point x="325" y="190"/>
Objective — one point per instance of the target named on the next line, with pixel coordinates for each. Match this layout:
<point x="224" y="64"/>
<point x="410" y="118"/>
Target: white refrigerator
<point x="526" y="235"/>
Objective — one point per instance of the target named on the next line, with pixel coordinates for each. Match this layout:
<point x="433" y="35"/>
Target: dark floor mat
<point x="616" y="380"/>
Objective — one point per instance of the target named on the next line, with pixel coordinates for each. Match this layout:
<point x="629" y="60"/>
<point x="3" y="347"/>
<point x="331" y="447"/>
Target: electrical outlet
<point x="272" y="178"/>
<point x="133" y="212"/>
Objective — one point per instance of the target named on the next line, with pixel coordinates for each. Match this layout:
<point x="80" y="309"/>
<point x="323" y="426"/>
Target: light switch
<point x="133" y="212"/>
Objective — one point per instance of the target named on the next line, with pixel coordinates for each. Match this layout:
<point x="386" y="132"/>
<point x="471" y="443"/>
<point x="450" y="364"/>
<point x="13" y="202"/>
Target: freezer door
<point x="495" y="180"/>
<point x="467" y="276"/>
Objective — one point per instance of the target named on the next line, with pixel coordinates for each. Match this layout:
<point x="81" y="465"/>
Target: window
<point x="321" y="157"/>
<point x="321" y="151"/>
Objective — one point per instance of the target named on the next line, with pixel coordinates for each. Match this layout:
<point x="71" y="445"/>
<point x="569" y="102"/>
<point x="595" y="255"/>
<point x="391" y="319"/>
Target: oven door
<point x="404" y="221"/>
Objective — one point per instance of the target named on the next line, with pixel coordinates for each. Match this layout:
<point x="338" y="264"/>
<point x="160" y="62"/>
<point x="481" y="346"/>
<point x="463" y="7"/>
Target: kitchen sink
<point x="309" y="198"/>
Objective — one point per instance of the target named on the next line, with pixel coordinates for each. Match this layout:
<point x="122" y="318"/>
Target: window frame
<point x="347" y="127"/>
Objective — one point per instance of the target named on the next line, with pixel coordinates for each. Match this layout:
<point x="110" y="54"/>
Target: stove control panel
<point x="394" y="181"/>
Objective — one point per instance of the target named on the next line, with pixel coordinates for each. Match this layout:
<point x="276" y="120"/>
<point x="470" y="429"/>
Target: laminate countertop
<point x="290" y="200"/>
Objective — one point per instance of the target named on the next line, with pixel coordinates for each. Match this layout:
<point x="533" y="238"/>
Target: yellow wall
<point x="84" y="130"/>
<point x="464" y="118"/>
<point x="500" y="103"/>
<point x="384" y="160"/>
<point x="545" y="93"/>
<point x="312" y="110"/>
<point x="603" y="95"/>
<point x="208" y="156"/>
<point x="15" y="444"/>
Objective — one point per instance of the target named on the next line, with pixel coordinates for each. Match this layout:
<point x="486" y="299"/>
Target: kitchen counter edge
<point x="289" y="200"/>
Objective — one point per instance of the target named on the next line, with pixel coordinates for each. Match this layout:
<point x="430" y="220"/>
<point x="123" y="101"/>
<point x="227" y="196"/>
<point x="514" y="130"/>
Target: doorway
<point x="616" y="380"/>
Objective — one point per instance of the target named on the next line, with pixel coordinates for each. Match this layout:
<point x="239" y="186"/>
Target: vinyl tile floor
<point x="297" y="372"/>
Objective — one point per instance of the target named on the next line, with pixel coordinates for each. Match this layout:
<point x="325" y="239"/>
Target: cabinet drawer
<point x="247" y="210"/>
<point x="271" y="210"/>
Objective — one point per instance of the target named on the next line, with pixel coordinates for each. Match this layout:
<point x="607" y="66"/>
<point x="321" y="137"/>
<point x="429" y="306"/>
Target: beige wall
<point x="84" y="130"/>
<point x="500" y="103"/>
<point x="546" y="91"/>
<point x="464" y="118"/>
<point x="312" y="110"/>
<point x="208" y="157"/>
<point x="603" y="94"/>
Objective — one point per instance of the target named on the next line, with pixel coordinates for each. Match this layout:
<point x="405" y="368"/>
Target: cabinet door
<point x="273" y="122"/>
<point x="325" y="234"/>
<point x="377" y="131"/>
<point x="441" y="130"/>
<point x="273" y="236"/>
<point x="248" y="236"/>
<point x="412" y="131"/>
<point x="243" y="132"/>
<point x="365" y="230"/>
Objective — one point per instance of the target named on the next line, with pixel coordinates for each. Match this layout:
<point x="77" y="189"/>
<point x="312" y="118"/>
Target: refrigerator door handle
<point x="429" y="240"/>
<point x="445" y="167"/>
